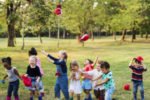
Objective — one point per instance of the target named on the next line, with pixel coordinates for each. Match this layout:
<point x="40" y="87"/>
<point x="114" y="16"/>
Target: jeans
<point x="62" y="84"/>
<point x="13" y="87"/>
<point x="137" y="84"/>
<point x="108" y="93"/>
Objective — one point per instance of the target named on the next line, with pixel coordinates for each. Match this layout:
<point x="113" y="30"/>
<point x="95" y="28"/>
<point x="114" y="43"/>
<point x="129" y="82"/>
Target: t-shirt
<point x="12" y="77"/>
<point x="109" y="83"/>
<point x="95" y="74"/>
<point x="33" y="72"/>
<point x="137" y="73"/>
<point x="88" y="67"/>
<point x="39" y="65"/>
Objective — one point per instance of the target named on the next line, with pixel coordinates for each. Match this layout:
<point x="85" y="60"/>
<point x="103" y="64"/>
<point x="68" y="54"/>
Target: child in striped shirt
<point x="137" y="67"/>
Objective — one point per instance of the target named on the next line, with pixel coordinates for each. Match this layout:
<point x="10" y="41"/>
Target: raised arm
<point x="95" y="61"/>
<point x="144" y="67"/>
<point x="48" y="55"/>
<point x="131" y="62"/>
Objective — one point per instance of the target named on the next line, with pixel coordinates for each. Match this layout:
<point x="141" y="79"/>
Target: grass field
<point x="117" y="53"/>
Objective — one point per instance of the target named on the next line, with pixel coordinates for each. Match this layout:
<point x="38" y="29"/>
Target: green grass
<point x="117" y="53"/>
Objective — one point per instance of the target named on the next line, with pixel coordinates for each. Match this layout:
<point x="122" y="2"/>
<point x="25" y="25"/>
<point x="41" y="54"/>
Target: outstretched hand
<point x="44" y="52"/>
<point x="2" y="81"/>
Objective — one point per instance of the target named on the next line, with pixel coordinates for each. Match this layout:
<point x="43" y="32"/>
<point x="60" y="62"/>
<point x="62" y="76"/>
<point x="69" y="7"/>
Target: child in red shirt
<point x="86" y="83"/>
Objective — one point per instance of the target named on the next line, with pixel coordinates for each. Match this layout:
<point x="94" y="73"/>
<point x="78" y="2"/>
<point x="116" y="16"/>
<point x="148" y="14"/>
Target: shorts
<point x="86" y="84"/>
<point x="99" y="94"/>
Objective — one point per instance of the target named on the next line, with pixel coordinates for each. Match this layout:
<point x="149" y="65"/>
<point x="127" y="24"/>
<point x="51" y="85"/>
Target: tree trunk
<point x="99" y="32"/>
<point x="124" y="35"/>
<point x="141" y="35"/>
<point x="146" y="35"/>
<point x="23" y="43"/>
<point x="64" y="34"/>
<point x="82" y="44"/>
<point x="49" y="31"/>
<point x="114" y="35"/>
<point x="91" y="33"/>
<point x="10" y="25"/>
<point x="11" y="34"/>
<point x="133" y="34"/>
<point x="11" y="11"/>
<point x="41" y="41"/>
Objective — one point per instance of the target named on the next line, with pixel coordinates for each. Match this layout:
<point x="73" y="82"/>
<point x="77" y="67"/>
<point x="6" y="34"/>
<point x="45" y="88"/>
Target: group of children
<point x="99" y="78"/>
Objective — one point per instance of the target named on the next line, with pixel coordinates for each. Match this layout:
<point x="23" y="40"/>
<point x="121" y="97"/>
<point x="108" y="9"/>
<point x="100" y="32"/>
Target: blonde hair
<point x="74" y="63"/>
<point x="33" y="59"/>
<point x="63" y="52"/>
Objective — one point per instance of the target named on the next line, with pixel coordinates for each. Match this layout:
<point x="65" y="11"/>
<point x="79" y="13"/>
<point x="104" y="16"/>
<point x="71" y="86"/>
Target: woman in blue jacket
<point x="61" y="73"/>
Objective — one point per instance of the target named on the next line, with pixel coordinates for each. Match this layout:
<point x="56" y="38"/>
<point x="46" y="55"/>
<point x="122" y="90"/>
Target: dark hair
<point x="136" y="61"/>
<point x="32" y="51"/>
<point x="100" y="62"/>
<point x="6" y="60"/>
<point x="90" y="61"/>
<point x="105" y="65"/>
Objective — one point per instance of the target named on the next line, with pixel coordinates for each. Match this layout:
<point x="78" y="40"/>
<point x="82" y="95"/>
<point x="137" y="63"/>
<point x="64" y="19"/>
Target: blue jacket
<point x="61" y="66"/>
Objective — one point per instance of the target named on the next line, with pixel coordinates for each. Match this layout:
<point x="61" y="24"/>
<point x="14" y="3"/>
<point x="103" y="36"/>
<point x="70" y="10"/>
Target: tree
<point x="11" y="7"/>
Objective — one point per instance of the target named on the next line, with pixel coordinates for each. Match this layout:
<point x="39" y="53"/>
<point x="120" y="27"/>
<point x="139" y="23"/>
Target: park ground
<point x="117" y="53"/>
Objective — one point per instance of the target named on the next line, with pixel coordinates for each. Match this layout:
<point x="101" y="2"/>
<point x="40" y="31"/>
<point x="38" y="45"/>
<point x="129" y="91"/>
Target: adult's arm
<point x="48" y="55"/>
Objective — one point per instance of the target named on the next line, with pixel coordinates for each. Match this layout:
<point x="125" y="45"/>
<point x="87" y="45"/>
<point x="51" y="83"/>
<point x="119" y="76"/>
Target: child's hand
<point x="3" y="81"/>
<point x="38" y="80"/>
<point x="25" y="75"/>
<point x="44" y="53"/>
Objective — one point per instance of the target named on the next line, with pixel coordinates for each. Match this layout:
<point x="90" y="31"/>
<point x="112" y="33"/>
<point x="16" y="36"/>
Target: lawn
<point x="117" y="53"/>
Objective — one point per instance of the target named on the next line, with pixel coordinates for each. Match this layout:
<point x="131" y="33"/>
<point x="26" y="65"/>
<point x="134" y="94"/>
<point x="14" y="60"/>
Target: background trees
<point x="96" y="17"/>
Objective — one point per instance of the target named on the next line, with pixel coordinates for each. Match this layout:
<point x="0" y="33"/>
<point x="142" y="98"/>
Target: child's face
<point x="104" y="70"/>
<point x="32" y="62"/>
<point x="74" y="68"/>
<point x="98" y="67"/>
<point x="60" y="55"/>
<point x="86" y="62"/>
<point x="6" y="65"/>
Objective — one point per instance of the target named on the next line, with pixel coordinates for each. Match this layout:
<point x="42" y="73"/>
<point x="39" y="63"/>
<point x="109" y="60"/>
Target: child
<point x="75" y="84"/>
<point x="33" y="72"/>
<point x="33" y="52"/>
<point x="13" y="78"/>
<point x="99" y="90"/>
<point x="108" y="81"/>
<point x="137" y="68"/>
<point x="61" y="73"/>
<point x="86" y="83"/>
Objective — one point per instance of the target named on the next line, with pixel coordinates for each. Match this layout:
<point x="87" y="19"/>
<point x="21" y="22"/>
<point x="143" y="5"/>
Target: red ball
<point x="26" y="81"/>
<point x="85" y="37"/>
<point x="127" y="87"/>
<point x="57" y="11"/>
